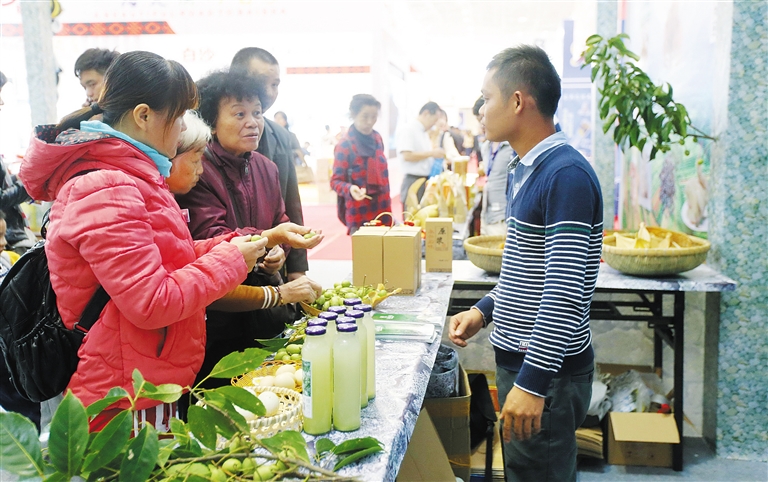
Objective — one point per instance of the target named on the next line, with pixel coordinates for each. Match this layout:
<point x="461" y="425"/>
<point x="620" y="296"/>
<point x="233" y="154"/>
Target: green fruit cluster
<point x="289" y="352"/>
<point x="337" y="295"/>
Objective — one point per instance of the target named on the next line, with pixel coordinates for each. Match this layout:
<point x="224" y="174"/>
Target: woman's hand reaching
<point x="301" y="289"/>
<point x="273" y="261"/>
<point x="251" y="250"/>
<point x="300" y="237"/>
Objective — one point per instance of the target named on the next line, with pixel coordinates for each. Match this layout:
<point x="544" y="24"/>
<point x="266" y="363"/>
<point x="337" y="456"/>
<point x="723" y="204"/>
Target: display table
<point x="402" y="374"/>
<point x="645" y="302"/>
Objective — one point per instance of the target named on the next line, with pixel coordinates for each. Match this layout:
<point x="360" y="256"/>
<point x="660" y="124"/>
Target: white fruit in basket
<point x="298" y="377"/>
<point x="271" y="403"/>
<point x="245" y="413"/>
<point x="268" y="381"/>
<point x="285" y="369"/>
<point x="285" y="380"/>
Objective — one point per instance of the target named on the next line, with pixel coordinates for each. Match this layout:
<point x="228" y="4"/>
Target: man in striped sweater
<point x="540" y="307"/>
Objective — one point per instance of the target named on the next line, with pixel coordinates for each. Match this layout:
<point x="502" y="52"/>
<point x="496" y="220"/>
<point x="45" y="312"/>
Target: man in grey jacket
<point x="275" y="144"/>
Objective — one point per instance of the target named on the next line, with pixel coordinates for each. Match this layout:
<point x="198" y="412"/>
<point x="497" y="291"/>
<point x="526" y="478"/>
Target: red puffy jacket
<point x="118" y="226"/>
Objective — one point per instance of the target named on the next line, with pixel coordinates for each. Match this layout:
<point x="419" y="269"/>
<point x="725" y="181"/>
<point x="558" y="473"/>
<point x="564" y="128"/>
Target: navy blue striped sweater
<point x="540" y="307"/>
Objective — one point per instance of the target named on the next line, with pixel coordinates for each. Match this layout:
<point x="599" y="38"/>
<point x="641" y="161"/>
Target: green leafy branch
<point x="215" y="444"/>
<point x="639" y="111"/>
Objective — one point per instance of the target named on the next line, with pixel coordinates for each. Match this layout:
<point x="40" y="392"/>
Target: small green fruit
<point x="382" y="293"/>
<point x="255" y="237"/>
<point x="198" y="469"/>
<point x="326" y="305"/>
<point x="310" y="235"/>
<point x="264" y="472"/>
<point x="293" y="349"/>
<point x="286" y="358"/>
<point x="248" y="466"/>
<point x="346" y="283"/>
<point x="217" y="475"/>
<point x="296" y="356"/>
<point x="232" y="466"/>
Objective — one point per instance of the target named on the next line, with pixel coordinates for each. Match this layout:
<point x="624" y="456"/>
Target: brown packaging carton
<point x="451" y="419"/>
<point x="641" y="439"/>
<point x="368" y="255"/>
<point x="402" y="258"/>
<point x="439" y="245"/>
<point x="425" y="460"/>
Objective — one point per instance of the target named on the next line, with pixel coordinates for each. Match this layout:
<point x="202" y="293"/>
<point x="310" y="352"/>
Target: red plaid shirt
<point x="350" y="168"/>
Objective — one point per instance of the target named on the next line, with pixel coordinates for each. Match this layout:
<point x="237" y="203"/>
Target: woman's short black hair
<point x="225" y="84"/>
<point x="361" y="100"/>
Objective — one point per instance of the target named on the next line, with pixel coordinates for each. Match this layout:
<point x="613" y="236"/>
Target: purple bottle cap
<point x="328" y="316"/>
<point x="317" y="322"/>
<point x="347" y="327"/>
<point x="356" y="314"/>
<point x="363" y="307"/>
<point x="315" y="330"/>
<point x="352" y="301"/>
<point x="339" y="310"/>
<point x="345" y="319"/>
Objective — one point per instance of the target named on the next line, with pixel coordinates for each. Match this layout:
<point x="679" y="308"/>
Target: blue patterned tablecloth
<point x="402" y="373"/>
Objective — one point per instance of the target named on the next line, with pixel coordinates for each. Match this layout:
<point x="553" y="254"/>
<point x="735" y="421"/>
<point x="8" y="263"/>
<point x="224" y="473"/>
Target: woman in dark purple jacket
<point x="239" y="190"/>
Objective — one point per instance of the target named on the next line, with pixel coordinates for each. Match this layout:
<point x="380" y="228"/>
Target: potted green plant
<point x="640" y="111"/>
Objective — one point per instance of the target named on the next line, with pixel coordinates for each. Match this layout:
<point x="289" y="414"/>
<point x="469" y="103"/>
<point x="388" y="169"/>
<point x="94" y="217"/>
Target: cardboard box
<point x="402" y="259"/>
<point x="368" y="256"/>
<point x="641" y="439"/>
<point x="425" y="460"/>
<point x="451" y="419"/>
<point x="439" y="245"/>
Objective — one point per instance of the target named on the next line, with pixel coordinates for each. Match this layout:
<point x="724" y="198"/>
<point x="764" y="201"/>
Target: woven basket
<point x="267" y="368"/>
<point x="657" y="261"/>
<point x="485" y="252"/>
<point x="289" y="415"/>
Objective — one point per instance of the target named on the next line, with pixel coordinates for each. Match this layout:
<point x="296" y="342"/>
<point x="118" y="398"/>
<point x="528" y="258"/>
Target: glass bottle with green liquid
<point x="346" y="378"/>
<point x="370" y="335"/>
<point x="362" y="336"/>
<point x="317" y="392"/>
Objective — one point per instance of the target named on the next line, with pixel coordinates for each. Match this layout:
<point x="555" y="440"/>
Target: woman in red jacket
<point x="115" y="224"/>
<point x="360" y="176"/>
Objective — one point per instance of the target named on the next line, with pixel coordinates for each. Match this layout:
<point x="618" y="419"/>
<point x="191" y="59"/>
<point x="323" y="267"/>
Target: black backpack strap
<point x="93" y="310"/>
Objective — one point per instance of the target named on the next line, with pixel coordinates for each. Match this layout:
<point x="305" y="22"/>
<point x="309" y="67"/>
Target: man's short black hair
<point x="431" y="107"/>
<point x="528" y="68"/>
<point x="95" y="59"/>
<point x="244" y="56"/>
<point x="223" y="85"/>
<point x="478" y="104"/>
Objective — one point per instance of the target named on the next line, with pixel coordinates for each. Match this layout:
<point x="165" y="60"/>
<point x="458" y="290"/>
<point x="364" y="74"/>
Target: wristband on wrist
<point x="279" y="296"/>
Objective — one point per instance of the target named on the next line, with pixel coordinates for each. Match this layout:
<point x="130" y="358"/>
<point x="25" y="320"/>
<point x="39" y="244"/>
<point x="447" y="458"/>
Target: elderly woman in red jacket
<point x="115" y="224"/>
<point x="360" y="176"/>
<point x="239" y="191"/>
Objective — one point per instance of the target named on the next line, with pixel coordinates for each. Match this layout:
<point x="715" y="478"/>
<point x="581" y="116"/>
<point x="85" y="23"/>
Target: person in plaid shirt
<point x="360" y="176"/>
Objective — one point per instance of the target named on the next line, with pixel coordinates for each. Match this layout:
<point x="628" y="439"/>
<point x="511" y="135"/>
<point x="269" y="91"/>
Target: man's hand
<point x="302" y="289"/>
<point x="273" y="261"/>
<point x="521" y="415"/>
<point x="293" y="235"/>
<point x="464" y="326"/>
<point x="439" y="152"/>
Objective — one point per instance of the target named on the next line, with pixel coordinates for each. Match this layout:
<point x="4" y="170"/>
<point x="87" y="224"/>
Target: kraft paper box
<point x="402" y="259"/>
<point x="439" y="245"/>
<point x="368" y="255"/>
<point x="451" y="419"/>
<point x="641" y="439"/>
<point x="425" y="460"/>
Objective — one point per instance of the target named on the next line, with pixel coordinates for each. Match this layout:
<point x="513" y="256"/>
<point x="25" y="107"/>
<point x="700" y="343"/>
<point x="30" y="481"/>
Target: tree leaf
<point x="324" y="445"/>
<point x="219" y="401"/>
<point x="593" y="39"/>
<point x="109" y="442"/>
<point x="166" y="393"/>
<point x="273" y="344"/>
<point x="202" y="425"/>
<point x="165" y="449"/>
<point x="244" y="399"/>
<point x="141" y="456"/>
<point x="20" y="450"/>
<point x="288" y="438"/>
<point x="113" y="395"/>
<point x="355" y="444"/>
<point x="69" y="435"/>
<point x="239" y="362"/>
<point x="356" y="456"/>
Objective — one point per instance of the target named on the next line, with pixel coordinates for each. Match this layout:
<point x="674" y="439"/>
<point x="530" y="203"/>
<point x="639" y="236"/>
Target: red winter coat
<point x="118" y="226"/>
